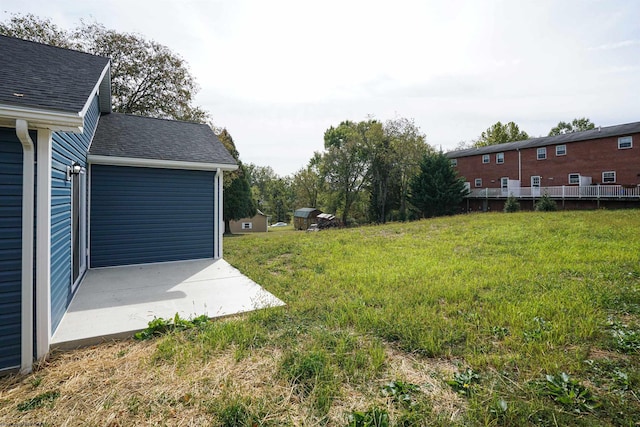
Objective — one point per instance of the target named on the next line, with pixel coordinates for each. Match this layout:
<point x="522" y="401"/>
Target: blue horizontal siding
<point x="67" y="148"/>
<point x="10" y="248"/>
<point x="143" y="215"/>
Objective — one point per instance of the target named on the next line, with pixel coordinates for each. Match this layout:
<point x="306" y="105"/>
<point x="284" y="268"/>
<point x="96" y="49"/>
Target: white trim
<point x="28" y="197"/>
<point x="501" y="154"/>
<point x="43" y="250"/>
<point x="153" y="163"/>
<point x="575" y="174"/>
<point x="614" y="177"/>
<point x="88" y="216"/>
<point x="623" y="140"/>
<point x="541" y="151"/>
<point x="218" y="218"/>
<point x="82" y="228"/>
<point x="54" y="120"/>
<point x="565" y="150"/>
<point x="95" y="90"/>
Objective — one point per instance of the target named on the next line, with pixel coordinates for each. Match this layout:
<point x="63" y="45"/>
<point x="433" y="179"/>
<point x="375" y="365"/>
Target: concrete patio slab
<point x="116" y="302"/>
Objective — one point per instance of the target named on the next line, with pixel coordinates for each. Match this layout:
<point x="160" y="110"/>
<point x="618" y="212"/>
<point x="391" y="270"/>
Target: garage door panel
<point x="144" y="215"/>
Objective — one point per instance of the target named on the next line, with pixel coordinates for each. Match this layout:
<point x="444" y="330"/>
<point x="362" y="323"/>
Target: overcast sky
<point x="277" y="74"/>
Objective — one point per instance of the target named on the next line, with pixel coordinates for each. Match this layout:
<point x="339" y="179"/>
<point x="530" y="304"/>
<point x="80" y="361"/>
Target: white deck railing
<point x="561" y="192"/>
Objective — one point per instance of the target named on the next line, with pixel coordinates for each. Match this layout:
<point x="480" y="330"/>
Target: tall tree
<point x="238" y="202"/>
<point x="499" y="133"/>
<point x="40" y="30"/>
<point x="281" y="199"/>
<point x="437" y="190"/>
<point x="409" y="147"/>
<point x="147" y="78"/>
<point x="347" y="159"/>
<point x="576" y="125"/>
<point x="308" y="183"/>
<point x="260" y="179"/>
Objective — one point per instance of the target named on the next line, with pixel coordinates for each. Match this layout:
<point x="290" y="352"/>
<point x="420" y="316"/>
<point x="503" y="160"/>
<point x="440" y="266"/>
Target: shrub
<point x="546" y="204"/>
<point x="511" y="205"/>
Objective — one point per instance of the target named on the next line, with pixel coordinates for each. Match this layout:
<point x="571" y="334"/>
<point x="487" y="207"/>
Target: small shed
<point x="256" y="224"/>
<point x="304" y="217"/>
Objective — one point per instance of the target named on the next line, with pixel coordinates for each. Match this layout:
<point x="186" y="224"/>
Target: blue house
<point x="83" y="187"/>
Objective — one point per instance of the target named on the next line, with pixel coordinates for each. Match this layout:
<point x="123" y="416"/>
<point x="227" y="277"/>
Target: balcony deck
<point x="564" y="192"/>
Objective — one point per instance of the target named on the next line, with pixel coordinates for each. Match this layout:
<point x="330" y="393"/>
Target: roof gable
<point x="138" y="137"/>
<point x="42" y="77"/>
<point x="597" y="133"/>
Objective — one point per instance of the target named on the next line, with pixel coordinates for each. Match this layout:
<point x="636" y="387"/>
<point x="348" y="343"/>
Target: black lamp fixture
<point x="74" y="169"/>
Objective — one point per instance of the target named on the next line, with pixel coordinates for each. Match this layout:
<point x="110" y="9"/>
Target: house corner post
<point x="43" y="246"/>
<point x="28" y="201"/>
<point x="218" y="215"/>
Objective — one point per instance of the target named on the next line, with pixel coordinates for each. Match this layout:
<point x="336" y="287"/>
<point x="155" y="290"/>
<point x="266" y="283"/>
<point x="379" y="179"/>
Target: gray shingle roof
<point x="597" y="133"/>
<point x="47" y="77"/>
<point x="304" y="212"/>
<point x="126" y="135"/>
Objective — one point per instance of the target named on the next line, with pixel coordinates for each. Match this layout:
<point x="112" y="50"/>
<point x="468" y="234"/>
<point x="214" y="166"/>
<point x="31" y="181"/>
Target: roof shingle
<point x="126" y="135"/>
<point x="45" y="77"/>
<point x="597" y="133"/>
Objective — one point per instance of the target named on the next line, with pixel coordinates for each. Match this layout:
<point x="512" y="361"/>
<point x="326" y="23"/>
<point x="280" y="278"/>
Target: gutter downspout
<point x="520" y="167"/>
<point x="28" y="198"/>
<point x="218" y="215"/>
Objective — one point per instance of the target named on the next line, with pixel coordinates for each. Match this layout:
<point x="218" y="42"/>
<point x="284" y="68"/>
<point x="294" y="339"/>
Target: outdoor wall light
<point x="74" y="169"/>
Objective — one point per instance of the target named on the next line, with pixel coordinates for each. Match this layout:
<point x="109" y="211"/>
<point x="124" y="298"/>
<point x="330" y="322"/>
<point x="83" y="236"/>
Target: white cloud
<point x="616" y="45"/>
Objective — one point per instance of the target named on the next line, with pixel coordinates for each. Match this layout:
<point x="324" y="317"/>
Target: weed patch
<point x="44" y="399"/>
<point x="159" y="326"/>
<point x="373" y="417"/>
<point x="463" y="382"/>
<point x="569" y="393"/>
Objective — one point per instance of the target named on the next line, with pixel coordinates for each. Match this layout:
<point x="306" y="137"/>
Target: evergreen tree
<point x="437" y="190"/>
<point x="238" y="201"/>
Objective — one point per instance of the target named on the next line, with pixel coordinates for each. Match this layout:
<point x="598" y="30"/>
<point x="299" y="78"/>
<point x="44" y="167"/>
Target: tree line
<point x="369" y="172"/>
<point x="374" y="172"/>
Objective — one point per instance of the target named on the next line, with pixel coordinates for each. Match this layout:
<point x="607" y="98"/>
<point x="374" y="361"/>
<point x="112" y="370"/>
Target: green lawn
<point x="481" y="319"/>
<point x="512" y="297"/>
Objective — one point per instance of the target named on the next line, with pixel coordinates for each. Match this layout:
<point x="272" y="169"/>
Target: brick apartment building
<point x="581" y="170"/>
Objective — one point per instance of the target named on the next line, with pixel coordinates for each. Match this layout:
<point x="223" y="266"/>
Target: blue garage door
<point x="144" y="215"/>
<point x="10" y="247"/>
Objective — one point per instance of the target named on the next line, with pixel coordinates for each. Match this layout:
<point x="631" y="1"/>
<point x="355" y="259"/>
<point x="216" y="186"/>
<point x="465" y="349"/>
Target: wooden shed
<point x="256" y="224"/>
<point x="304" y="217"/>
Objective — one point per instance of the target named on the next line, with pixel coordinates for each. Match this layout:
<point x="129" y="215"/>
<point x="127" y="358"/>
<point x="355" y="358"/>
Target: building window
<point x="625" y="142"/>
<point x="454" y="162"/>
<point x="574" y="178"/>
<point x="542" y="153"/>
<point x="561" y="150"/>
<point x="485" y="158"/>
<point x="478" y="182"/>
<point x="500" y="158"/>
<point x="608" y="177"/>
<point x="247" y="225"/>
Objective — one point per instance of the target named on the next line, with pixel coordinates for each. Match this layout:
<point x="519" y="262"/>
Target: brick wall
<point x="587" y="158"/>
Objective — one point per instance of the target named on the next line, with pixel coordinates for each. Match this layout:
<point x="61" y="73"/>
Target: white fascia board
<point x="96" y="88"/>
<point x="44" y="119"/>
<point x="153" y="163"/>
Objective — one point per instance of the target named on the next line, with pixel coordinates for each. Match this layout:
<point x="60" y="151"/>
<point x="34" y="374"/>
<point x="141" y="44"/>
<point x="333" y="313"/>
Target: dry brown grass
<point x="118" y="384"/>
